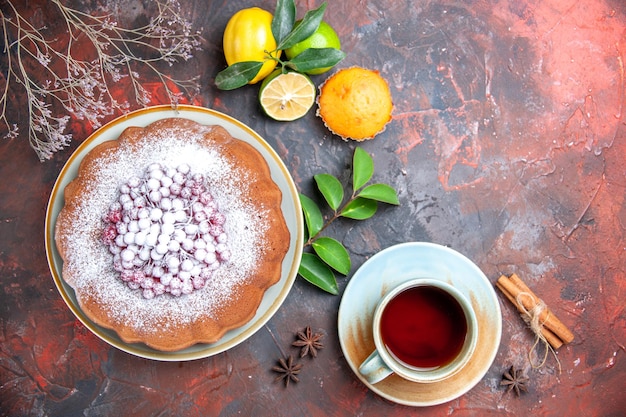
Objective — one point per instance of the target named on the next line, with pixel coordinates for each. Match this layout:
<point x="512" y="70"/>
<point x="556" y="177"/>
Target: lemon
<point x="248" y="37"/>
<point x="324" y="37"/>
<point x="286" y="96"/>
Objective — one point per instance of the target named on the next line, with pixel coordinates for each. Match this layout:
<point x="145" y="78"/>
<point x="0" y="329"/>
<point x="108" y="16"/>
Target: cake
<point x="171" y="234"/>
<point x="355" y="103"/>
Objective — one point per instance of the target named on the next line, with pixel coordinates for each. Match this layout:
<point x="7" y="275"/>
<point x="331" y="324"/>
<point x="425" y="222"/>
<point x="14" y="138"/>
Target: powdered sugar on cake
<point x="90" y="263"/>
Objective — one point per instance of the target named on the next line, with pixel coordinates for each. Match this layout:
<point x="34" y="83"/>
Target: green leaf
<point x="380" y="192"/>
<point x="359" y="209"/>
<point x="315" y="58"/>
<point x="362" y="168"/>
<point x="284" y="19"/>
<point x="318" y="273"/>
<point x="312" y="215"/>
<point x="331" y="189"/>
<point x="309" y="24"/>
<point x="333" y="253"/>
<point x="237" y="75"/>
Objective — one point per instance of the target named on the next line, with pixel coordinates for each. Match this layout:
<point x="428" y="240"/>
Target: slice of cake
<point x="171" y="234"/>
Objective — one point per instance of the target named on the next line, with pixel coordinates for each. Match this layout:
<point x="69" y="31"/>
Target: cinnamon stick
<point x="550" y="337"/>
<point x="512" y="286"/>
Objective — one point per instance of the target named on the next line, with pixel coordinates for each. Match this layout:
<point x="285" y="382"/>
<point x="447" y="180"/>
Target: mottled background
<point x="507" y="143"/>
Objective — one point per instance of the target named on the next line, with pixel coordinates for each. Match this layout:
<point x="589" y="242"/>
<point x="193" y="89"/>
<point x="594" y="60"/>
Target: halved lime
<point x="286" y="96"/>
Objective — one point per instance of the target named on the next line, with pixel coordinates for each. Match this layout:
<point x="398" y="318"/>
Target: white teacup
<point x="425" y="330"/>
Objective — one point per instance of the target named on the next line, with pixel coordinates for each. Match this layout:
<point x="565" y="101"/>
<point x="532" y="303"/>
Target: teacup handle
<point x="374" y="368"/>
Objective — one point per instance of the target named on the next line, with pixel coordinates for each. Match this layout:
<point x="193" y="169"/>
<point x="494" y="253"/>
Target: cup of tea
<point x="425" y="330"/>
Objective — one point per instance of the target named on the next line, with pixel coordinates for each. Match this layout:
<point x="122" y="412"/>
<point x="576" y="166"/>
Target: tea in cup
<point x="425" y="330"/>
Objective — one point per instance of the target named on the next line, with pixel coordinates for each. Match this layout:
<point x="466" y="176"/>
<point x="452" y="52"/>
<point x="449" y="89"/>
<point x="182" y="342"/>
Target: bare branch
<point x="60" y="75"/>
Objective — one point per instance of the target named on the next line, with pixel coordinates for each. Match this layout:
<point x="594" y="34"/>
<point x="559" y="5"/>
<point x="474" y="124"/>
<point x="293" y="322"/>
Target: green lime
<point x="324" y="37"/>
<point x="286" y="96"/>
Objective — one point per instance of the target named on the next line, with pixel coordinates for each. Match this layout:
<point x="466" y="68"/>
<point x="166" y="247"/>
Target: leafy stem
<point x="311" y="239"/>
<point x="328" y="254"/>
<point x="336" y="215"/>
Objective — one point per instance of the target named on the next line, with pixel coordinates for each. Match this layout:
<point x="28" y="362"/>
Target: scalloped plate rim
<point x="273" y="297"/>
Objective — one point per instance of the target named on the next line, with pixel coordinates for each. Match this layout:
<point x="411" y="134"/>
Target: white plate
<point x="391" y="267"/>
<point x="290" y="206"/>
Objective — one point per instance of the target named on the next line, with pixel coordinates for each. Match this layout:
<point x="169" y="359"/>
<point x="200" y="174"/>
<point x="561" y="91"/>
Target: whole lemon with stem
<point x="248" y="37"/>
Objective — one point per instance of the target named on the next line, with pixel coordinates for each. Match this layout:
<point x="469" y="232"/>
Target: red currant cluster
<point x="165" y="232"/>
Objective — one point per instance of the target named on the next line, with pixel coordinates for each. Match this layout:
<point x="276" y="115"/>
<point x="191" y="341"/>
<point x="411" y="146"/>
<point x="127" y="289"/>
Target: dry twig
<point x="76" y="74"/>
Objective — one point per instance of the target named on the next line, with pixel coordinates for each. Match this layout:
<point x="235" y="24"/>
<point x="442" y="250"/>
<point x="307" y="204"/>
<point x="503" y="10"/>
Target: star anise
<point x="288" y="370"/>
<point x="309" y="342"/>
<point x="515" y="380"/>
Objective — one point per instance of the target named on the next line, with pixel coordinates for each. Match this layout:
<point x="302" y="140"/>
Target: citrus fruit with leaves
<point x="324" y="37"/>
<point x="248" y="37"/>
<point x="355" y="103"/>
<point x="286" y="33"/>
<point x="286" y="96"/>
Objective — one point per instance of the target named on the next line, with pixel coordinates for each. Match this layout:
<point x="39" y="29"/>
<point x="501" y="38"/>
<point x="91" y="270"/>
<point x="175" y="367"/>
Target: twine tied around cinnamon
<point x="548" y="329"/>
<point x="531" y="317"/>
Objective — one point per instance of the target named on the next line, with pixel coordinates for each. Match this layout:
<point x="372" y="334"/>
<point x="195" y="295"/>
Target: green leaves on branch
<point x="329" y="255"/>
<point x="286" y="33"/>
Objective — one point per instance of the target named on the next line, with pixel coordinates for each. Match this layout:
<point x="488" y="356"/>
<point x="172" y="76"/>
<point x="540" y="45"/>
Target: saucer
<point x="391" y="267"/>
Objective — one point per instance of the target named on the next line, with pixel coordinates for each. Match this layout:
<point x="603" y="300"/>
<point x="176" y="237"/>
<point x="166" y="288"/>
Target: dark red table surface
<point x="508" y="144"/>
